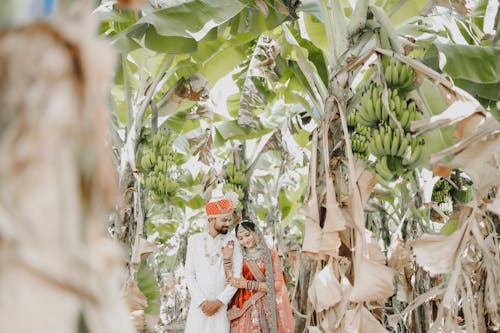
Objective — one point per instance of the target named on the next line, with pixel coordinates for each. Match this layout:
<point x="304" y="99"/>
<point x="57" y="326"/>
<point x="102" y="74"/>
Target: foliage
<point x="363" y="78"/>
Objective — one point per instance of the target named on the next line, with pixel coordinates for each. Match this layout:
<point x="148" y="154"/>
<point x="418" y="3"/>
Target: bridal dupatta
<point x="249" y="312"/>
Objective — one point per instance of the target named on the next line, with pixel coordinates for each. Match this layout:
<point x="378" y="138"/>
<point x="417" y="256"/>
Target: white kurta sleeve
<point x="197" y="295"/>
<point x="228" y="292"/>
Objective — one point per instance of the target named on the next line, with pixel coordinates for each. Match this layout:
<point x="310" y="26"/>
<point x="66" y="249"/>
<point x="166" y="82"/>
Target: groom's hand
<point x="209" y="308"/>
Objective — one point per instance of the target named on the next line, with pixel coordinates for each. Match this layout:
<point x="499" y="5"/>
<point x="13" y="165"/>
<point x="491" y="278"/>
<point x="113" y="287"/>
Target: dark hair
<point x="246" y="224"/>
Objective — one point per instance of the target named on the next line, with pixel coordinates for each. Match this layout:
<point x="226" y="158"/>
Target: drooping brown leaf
<point x="204" y="151"/>
<point x="134" y="296"/>
<point x="360" y="320"/>
<point x="372" y="281"/>
<point x="361" y="191"/>
<point x="373" y="249"/>
<point x="262" y="6"/>
<point x="336" y="313"/>
<point x="203" y="110"/>
<point x="365" y="181"/>
<point x="312" y="229"/>
<point x="146" y="248"/>
<point x="437" y="254"/>
<point x="334" y="220"/>
<point x="139" y="320"/>
<point x="194" y="88"/>
<point x="401" y="260"/>
<point x="458" y="111"/>
<point x="478" y="161"/>
<point x="325" y="290"/>
<point x="130" y="4"/>
<point x="495" y="205"/>
<point x="330" y="243"/>
<point x="459" y="6"/>
<point x="441" y="170"/>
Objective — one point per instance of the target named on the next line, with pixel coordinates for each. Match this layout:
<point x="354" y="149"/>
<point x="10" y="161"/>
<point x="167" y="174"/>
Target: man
<point x="205" y="276"/>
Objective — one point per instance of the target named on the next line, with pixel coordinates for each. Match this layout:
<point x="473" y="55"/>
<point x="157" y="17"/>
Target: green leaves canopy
<point x="473" y="68"/>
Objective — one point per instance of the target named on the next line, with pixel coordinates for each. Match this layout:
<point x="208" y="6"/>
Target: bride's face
<point x="247" y="238"/>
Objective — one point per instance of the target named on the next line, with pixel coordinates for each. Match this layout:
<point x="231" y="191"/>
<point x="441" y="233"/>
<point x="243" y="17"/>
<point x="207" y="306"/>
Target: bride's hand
<point x="227" y="251"/>
<point x="263" y="287"/>
<point x="238" y="282"/>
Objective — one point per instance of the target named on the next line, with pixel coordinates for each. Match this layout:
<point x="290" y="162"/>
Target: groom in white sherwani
<point x="205" y="277"/>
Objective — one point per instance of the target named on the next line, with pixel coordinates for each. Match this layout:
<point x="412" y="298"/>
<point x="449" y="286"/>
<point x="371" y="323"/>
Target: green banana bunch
<point x="359" y="146"/>
<point x="416" y="155"/>
<point x="351" y="119"/>
<point x="441" y="190"/>
<point x="236" y="181"/>
<point x="370" y="111"/>
<point x="236" y="175"/>
<point x="363" y="130"/>
<point x="160" y="168"/>
<point x="399" y="75"/>
<point x="162" y="144"/>
<point x="387" y="141"/>
<point x="359" y="143"/>
<point x="146" y="137"/>
<point x="407" y="115"/>
<point x="148" y="160"/>
<point x="360" y="156"/>
<point x="438" y="196"/>
<point x="161" y="186"/>
<point x="383" y="170"/>
<point x="171" y="186"/>
<point x="443" y="184"/>
<point x="239" y="178"/>
<point x="235" y="188"/>
<point x="404" y="110"/>
<point x="376" y="145"/>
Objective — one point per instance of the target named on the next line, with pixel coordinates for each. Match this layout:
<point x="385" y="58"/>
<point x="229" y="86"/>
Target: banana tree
<point x="358" y="48"/>
<point x="327" y="59"/>
<point x="165" y="129"/>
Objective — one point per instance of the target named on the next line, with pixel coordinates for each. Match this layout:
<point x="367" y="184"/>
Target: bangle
<point x="252" y="285"/>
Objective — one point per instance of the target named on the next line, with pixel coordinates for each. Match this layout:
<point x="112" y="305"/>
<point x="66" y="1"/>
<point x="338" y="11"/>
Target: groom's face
<point x="222" y="224"/>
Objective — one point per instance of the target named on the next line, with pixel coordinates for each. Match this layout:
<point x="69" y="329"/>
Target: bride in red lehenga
<point x="261" y="304"/>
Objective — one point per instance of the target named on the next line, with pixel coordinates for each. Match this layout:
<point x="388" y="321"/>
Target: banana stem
<point x="358" y="18"/>
<point x="350" y="155"/>
<point x="126" y="87"/>
<point x="329" y="28"/>
<point x="385" y="24"/>
<point x="340" y="31"/>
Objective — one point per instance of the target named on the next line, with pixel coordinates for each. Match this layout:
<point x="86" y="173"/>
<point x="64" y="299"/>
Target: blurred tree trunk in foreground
<point x="58" y="270"/>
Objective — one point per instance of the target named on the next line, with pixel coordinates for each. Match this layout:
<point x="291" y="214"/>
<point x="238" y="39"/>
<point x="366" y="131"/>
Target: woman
<point x="261" y="303"/>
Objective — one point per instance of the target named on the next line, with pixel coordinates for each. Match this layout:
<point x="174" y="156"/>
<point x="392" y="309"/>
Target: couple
<point x="235" y="281"/>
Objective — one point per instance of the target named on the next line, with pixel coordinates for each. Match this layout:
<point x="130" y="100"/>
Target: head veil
<point x="268" y="262"/>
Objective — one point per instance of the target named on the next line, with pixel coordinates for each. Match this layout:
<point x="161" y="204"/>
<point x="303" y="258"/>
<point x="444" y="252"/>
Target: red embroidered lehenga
<point x="249" y="309"/>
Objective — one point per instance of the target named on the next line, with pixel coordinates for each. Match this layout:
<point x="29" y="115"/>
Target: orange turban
<point x="221" y="207"/>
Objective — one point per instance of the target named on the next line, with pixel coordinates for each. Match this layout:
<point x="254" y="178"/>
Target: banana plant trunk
<point x="58" y="270"/>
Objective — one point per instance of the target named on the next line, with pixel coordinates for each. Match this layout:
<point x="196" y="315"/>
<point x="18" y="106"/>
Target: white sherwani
<point x="206" y="281"/>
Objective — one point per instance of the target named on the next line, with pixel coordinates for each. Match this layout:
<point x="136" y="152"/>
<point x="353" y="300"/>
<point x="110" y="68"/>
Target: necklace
<point x="252" y="254"/>
<point x="211" y="258"/>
